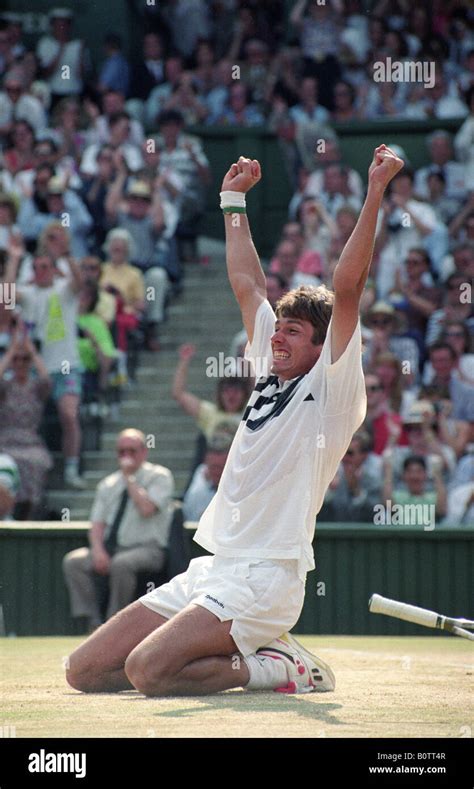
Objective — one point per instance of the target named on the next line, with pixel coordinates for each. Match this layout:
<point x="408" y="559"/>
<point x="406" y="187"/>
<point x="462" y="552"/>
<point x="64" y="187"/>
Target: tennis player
<point x="223" y="623"/>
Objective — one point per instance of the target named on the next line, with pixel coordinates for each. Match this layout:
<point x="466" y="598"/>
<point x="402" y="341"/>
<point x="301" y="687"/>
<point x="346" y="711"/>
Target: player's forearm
<point x="352" y="270"/>
<point x="243" y="264"/>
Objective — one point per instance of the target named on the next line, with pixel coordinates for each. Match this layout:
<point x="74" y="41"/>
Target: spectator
<point x="344" y="103"/>
<point x="188" y="21"/>
<point x="356" y="488"/>
<point x="286" y="261"/>
<point x="23" y="398"/>
<point x="309" y="261"/>
<point x="240" y="111"/>
<point x="336" y="192"/>
<point x="17" y="105"/>
<point x="404" y="223"/>
<point x="205" y="480"/>
<point x="142" y="216"/>
<point x="115" y="70"/>
<point x="106" y="307"/>
<point x="440" y="148"/>
<point x="119" y="132"/>
<point x="456" y="334"/>
<point x="94" y="193"/>
<point x="319" y="229"/>
<point x="9" y="484"/>
<point x="415" y="494"/>
<point x="8" y="212"/>
<point x="232" y="396"/>
<point x="217" y="97"/>
<point x="19" y="153"/>
<point x="130" y="522"/>
<point x="330" y="155"/>
<point x="464" y="141"/>
<point x="155" y="104"/>
<point x="97" y="352"/>
<point x="388" y="369"/>
<point x="385" y="326"/>
<point x="420" y="424"/>
<point x="444" y="361"/>
<point x="382" y="423"/>
<point x="462" y="226"/>
<point x="148" y="72"/>
<point x="185" y="99"/>
<point x="446" y="208"/>
<point x="113" y="103"/>
<point x="308" y="108"/>
<point x="64" y="205"/>
<point x="420" y="297"/>
<point x="319" y="39"/>
<point x="436" y="102"/>
<point x="184" y="155"/>
<point x="49" y="307"/>
<point x="453" y="308"/>
<point x="460" y="506"/>
<point x="125" y="282"/>
<point x="71" y="141"/>
<point x="452" y="432"/>
<point x="59" y="50"/>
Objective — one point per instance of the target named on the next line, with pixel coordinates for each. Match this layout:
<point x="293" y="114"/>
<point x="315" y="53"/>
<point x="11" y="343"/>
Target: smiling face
<point x="293" y="350"/>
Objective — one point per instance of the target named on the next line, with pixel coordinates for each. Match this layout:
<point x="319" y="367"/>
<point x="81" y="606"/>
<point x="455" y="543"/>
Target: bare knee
<point x="150" y="677"/>
<point x="84" y="673"/>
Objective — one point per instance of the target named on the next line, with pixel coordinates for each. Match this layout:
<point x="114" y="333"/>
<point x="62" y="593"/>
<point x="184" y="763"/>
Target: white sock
<point x="266" y="673"/>
<point x="72" y="464"/>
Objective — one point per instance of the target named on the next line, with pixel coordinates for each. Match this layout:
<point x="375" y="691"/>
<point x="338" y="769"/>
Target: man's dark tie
<point x="110" y="543"/>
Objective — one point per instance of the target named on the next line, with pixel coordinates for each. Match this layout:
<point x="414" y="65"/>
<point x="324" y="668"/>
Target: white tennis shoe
<point x="306" y="672"/>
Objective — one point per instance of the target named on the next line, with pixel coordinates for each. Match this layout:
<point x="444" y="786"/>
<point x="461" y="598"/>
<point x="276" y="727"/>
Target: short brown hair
<point x="308" y="303"/>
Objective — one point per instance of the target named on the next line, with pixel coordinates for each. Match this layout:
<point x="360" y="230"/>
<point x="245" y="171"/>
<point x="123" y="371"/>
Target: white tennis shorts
<point x="262" y="597"/>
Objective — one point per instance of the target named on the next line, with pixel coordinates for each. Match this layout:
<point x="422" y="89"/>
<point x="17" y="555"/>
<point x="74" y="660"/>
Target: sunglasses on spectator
<point x="381" y="321"/>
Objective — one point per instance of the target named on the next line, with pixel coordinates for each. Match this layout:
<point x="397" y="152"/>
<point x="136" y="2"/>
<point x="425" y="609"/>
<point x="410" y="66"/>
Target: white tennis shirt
<point x="286" y="451"/>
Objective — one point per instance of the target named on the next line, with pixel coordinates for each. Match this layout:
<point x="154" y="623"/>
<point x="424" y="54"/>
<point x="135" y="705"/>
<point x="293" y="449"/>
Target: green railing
<point x="432" y="569"/>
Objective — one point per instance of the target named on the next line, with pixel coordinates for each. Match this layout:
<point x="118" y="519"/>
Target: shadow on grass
<point x="317" y="709"/>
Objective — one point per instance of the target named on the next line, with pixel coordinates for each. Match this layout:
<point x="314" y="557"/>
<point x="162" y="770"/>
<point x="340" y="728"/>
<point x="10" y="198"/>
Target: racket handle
<point x="410" y="613"/>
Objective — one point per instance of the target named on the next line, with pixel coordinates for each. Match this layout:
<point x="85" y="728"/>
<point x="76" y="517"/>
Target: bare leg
<point x="68" y="409"/>
<point x="97" y="665"/>
<point x="192" y="654"/>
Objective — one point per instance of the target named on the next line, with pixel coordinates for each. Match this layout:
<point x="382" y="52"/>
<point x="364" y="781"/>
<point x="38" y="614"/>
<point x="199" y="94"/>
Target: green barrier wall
<point x="430" y="569"/>
<point x="268" y="202"/>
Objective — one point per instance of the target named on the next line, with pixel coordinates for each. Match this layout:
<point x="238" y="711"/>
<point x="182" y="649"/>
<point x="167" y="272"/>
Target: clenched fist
<point x="242" y="175"/>
<point x="385" y="165"/>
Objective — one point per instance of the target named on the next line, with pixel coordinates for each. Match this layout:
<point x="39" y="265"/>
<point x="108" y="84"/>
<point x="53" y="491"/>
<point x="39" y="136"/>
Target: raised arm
<point x="350" y="274"/>
<point x="189" y="402"/>
<point x="243" y="265"/>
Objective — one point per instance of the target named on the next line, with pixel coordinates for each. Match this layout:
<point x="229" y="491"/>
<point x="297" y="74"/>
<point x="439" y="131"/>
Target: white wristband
<point x="231" y="199"/>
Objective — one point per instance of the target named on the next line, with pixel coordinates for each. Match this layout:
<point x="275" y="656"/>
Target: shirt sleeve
<point x="99" y="507"/>
<point x="160" y="489"/>
<point x="341" y="382"/>
<point x="206" y="416"/>
<point x="259" y="351"/>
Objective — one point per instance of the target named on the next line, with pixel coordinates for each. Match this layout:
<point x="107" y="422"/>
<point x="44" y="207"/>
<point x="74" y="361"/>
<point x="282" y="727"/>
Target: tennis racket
<point x="421" y="616"/>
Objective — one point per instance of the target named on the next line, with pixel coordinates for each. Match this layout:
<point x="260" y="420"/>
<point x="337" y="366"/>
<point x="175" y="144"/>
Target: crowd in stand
<point x="103" y="184"/>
